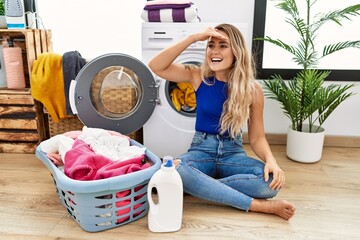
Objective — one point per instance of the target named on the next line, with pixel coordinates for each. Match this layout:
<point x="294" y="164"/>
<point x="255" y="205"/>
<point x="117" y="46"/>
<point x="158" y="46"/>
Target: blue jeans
<point x="216" y="168"/>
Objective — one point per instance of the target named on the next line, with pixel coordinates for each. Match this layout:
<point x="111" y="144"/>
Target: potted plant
<point x="305" y="99"/>
<point x="2" y="15"/>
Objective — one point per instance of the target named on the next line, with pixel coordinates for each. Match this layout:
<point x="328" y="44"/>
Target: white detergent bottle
<point x="166" y="214"/>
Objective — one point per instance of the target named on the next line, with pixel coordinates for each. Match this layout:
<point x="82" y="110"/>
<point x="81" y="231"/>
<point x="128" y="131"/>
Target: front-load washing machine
<point x="169" y="131"/>
<point x="119" y="92"/>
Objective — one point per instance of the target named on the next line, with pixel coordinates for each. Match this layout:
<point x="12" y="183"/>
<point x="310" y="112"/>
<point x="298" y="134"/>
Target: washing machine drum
<point x="114" y="92"/>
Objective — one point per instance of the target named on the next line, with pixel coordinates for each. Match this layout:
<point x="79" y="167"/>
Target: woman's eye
<point x="211" y="46"/>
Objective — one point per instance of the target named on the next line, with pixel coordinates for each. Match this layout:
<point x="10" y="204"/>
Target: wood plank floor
<point x="326" y="194"/>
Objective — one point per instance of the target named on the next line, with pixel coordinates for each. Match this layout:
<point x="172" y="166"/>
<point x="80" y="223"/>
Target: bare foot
<point x="280" y="208"/>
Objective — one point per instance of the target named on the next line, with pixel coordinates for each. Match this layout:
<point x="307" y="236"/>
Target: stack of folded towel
<point x="170" y="11"/>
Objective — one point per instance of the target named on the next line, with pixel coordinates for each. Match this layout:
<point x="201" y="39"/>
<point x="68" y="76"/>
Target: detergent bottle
<point x="165" y="213"/>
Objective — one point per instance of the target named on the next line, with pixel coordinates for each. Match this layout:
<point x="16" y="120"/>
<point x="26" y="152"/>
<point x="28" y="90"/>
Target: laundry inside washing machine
<point x="181" y="97"/>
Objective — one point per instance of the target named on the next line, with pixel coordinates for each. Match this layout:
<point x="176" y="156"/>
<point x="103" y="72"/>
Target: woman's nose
<point x="215" y="50"/>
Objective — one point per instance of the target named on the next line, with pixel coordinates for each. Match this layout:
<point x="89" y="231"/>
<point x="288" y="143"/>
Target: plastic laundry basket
<point x="107" y="203"/>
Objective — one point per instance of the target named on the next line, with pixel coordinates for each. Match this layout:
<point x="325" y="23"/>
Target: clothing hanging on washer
<point x="47" y="84"/>
<point x="72" y="62"/>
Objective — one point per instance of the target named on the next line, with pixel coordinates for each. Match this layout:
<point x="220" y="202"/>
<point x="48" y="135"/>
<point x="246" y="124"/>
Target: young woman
<point x="216" y="167"/>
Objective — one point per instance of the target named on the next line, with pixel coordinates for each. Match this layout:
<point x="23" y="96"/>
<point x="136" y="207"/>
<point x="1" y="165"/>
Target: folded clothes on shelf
<point x="170" y="11"/>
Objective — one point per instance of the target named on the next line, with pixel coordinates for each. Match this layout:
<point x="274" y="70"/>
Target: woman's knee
<point x="267" y="192"/>
<point x="264" y="191"/>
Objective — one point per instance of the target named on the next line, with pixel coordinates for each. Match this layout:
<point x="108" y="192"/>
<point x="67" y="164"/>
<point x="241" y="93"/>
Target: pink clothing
<point x="114" y="169"/>
<point x="126" y="202"/>
<point x="56" y="159"/>
<point x="81" y="163"/>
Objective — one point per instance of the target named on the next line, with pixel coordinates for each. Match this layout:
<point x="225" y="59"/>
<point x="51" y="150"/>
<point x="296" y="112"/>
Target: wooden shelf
<point x="21" y="117"/>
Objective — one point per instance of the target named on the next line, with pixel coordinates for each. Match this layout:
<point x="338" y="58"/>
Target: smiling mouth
<point x="216" y="60"/>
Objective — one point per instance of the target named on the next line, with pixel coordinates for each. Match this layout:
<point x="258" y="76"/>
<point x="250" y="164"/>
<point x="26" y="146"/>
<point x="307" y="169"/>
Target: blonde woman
<point x="216" y="167"/>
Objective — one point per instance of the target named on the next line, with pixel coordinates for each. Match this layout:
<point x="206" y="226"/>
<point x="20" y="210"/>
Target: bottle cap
<point x="168" y="161"/>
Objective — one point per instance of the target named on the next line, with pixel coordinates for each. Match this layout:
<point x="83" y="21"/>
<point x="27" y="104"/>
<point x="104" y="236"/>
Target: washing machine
<point x="169" y="131"/>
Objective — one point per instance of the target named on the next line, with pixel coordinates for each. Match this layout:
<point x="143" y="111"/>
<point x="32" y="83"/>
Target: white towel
<point x="114" y="147"/>
<point x="189" y="14"/>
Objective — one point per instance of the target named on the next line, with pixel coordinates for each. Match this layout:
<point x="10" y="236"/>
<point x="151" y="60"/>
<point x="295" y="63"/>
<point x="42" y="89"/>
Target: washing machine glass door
<point x="114" y="92"/>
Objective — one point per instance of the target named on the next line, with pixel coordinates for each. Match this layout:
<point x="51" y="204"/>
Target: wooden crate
<point x="21" y="117"/>
<point x="32" y="42"/>
<point x="18" y="125"/>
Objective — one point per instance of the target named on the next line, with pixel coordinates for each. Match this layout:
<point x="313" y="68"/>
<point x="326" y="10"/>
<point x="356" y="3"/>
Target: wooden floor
<point x="326" y="194"/>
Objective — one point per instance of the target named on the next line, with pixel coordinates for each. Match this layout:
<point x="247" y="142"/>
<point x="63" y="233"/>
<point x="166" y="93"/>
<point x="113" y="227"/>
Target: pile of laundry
<point x="94" y="153"/>
<point x="170" y="11"/>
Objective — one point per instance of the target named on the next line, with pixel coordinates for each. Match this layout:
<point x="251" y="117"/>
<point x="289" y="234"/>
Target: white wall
<point x="94" y="27"/>
<point x="98" y="27"/>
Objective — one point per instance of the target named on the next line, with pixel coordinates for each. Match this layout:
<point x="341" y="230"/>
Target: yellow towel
<point x="183" y="95"/>
<point x="47" y="84"/>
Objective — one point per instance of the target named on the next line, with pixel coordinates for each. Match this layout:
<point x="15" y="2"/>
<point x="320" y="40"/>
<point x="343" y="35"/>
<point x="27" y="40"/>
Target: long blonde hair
<point x="241" y="83"/>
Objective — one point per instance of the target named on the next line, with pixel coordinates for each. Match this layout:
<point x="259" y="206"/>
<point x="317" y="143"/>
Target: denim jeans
<point x="216" y="168"/>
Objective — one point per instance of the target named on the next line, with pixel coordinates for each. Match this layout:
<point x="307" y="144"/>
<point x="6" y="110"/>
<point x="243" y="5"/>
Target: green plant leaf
<point x="290" y="7"/>
<point x="2" y="8"/>
<point x="333" y="96"/>
<point x="338" y="15"/>
<point x="329" y="49"/>
<point x="279" y="43"/>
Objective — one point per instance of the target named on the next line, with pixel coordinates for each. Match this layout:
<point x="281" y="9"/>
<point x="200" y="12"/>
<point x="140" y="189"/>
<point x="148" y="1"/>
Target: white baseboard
<point x="330" y="141"/>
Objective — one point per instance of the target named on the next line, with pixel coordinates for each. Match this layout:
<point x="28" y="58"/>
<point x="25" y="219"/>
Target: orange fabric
<point x="183" y="95"/>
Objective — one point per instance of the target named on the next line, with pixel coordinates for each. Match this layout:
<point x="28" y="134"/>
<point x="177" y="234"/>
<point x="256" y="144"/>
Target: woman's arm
<point x="258" y="141"/>
<point x="163" y="63"/>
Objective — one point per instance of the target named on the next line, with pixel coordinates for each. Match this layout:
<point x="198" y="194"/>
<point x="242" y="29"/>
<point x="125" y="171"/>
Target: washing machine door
<point x="114" y="92"/>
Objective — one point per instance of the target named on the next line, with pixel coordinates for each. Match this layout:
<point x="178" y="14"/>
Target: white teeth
<point x="216" y="59"/>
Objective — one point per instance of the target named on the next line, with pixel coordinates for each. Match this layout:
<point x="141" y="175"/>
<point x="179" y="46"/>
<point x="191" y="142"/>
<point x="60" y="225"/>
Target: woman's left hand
<point x="278" y="175"/>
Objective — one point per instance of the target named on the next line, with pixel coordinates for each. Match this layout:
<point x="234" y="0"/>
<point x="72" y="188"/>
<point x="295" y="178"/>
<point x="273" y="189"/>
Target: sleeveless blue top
<point x="209" y="105"/>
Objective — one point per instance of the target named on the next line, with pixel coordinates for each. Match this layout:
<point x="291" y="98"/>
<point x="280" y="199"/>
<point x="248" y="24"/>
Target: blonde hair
<point x="241" y="83"/>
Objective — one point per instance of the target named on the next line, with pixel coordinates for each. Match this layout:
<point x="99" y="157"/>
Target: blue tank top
<point x="209" y="106"/>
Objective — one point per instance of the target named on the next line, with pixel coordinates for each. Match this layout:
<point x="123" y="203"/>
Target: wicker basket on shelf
<point x="64" y="125"/>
